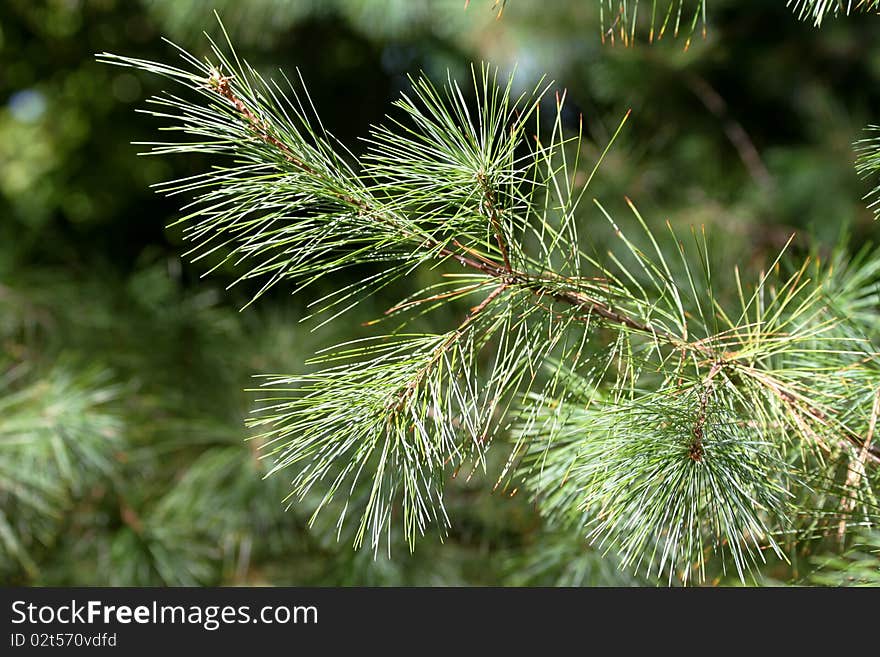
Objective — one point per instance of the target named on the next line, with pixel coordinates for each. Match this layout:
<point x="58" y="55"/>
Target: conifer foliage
<point x="691" y="421"/>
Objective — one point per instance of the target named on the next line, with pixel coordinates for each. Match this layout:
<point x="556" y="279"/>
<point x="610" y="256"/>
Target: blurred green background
<point x="123" y="458"/>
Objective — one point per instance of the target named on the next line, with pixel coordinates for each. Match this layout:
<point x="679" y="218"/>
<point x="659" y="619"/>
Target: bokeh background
<point x="123" y="370"/>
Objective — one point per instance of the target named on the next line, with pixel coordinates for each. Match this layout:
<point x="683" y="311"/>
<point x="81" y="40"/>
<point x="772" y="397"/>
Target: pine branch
<point x="669" y="413"/>
<point x="502" y="271"/>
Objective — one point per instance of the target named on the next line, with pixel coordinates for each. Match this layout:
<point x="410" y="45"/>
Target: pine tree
<point x="690" y="421"/>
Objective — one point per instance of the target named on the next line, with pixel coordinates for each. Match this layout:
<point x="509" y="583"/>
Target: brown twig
<point x="492" y="212"/>
<point x="220" y="83"/>
<point x="696" y="449"/>
<point x="857" y="470"/>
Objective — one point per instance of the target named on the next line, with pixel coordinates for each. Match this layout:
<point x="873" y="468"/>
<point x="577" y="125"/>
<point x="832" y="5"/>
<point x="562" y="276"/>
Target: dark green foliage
<point x="710" y="404"/>
<point x="122" y="372"/>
